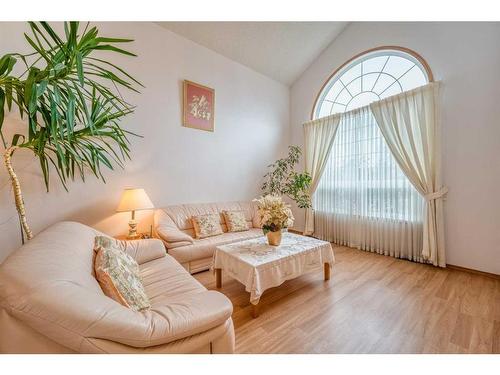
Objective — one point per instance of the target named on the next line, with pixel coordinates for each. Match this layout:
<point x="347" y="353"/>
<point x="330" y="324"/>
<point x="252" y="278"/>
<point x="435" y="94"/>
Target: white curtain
<point x="318" y="139"/>
<point x="409" y="123"/>
<point x="363" y="199"/>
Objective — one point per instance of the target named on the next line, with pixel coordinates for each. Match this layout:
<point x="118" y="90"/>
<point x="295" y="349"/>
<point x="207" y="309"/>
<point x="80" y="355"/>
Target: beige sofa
<point x="50" y="302"/>
<point x="173" y="226"/>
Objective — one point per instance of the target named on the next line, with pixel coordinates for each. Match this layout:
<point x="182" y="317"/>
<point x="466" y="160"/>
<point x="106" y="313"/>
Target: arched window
<point x="363" y="199"/>
<point x="371" y="76"/>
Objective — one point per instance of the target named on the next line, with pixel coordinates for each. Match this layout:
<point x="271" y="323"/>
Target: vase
<point x="274" y="238"/>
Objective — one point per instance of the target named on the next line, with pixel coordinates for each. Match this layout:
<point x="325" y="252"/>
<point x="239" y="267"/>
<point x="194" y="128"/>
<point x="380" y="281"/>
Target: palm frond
<point x="70" y="99"/>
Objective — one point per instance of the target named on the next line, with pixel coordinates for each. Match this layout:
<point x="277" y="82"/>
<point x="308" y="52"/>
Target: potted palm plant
<point x="70" y="100"/>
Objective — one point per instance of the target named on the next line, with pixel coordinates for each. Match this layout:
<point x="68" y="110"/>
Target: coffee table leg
<point x="255" y="311"/>
<point x="218" y="278"/>
<point x="327" y="271"/>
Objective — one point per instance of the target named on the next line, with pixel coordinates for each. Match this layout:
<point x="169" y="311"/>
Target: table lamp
<point x="133" y="200"/>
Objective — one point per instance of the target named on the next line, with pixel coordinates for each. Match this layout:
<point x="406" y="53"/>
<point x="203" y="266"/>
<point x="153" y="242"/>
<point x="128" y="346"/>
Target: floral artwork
<point x="198" y="106"/>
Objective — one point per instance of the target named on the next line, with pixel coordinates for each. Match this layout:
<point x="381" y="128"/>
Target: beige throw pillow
<point x="118" y="274"/>
<point x="235" y="221"/>
<point x="206" y="225"/>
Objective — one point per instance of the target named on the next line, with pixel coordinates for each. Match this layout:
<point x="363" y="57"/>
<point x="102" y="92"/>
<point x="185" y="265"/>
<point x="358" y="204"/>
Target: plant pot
<point x="274" y="238"/>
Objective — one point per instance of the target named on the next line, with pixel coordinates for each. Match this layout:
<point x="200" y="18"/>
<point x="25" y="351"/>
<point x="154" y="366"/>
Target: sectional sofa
<point x="172" y="224"/>
<point x="51" y="302"/>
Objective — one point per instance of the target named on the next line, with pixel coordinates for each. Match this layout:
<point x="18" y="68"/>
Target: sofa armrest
<point x="173" y="237"/>
<point x="167" y="231"/>
<point x="144" y="250"/>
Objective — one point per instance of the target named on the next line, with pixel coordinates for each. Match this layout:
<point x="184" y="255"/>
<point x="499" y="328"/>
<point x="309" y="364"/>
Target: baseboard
<point x="476" y="272"/>
<point x="291" y="230"/>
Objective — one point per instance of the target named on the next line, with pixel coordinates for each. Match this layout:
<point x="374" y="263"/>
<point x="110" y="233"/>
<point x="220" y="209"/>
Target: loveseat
<point x="173" y="225"/>
<point x="50" y="301"/>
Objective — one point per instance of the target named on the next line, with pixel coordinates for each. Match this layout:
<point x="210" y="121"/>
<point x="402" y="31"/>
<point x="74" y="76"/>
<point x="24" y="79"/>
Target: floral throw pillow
<point x="206" y="225"/>
<point x="235" y="221"/>
<point x="118" y="274"/>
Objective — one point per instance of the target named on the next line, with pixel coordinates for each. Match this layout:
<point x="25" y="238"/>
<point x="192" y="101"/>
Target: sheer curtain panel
<point x="410" y="125"/>
<point x="318" y="139"/>
<point x="363" y="199"/>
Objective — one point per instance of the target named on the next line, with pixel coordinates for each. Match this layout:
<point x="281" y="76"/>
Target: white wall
<point x="466" y="58"/>
<point x="176" y="164"/>
<point x="173" y="163"/>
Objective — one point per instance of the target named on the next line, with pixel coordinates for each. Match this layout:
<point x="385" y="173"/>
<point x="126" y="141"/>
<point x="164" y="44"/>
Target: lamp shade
<point x="134" y="199"/>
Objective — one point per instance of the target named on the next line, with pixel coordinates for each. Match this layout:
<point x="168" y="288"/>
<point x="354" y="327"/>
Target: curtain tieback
<point x="436" y="195"/>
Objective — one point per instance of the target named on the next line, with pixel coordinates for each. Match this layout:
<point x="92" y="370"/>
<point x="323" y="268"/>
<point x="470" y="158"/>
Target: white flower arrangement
<point x="274" y="213"/>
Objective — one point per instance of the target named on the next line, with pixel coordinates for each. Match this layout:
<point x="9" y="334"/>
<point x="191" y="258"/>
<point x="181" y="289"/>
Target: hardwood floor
<point x="372" y="304"/>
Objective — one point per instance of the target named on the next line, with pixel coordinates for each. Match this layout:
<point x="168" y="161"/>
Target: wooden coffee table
<point x="260" y="266"/>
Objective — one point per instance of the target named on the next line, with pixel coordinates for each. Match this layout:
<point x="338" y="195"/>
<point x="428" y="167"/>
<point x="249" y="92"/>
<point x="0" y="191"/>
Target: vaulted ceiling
<point x="279" y="50"/>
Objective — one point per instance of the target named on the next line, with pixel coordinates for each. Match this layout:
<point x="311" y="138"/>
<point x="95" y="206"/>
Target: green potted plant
<point x="283" y="180"/>
<point x="70" y="100"/>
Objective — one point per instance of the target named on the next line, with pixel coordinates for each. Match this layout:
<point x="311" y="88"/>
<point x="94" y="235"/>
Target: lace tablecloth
<point x="260" y="266"/>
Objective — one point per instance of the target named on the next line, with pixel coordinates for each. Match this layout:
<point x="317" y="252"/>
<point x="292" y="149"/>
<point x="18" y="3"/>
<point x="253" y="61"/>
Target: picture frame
<point x="198" y="106"/>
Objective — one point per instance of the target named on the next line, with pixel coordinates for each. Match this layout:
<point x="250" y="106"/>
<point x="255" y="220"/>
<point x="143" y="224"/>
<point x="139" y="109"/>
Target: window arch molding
<point x="396" y="50"/>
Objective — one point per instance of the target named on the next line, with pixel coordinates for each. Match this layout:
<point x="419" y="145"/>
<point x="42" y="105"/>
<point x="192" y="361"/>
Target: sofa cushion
<point x="102" y="243"/>
<point x="165" y="279"/>
<point x="118" y="275"/>
<point x="206" y="225"/>
<point x="205" y="248"/>
<point x="235" y="221"/>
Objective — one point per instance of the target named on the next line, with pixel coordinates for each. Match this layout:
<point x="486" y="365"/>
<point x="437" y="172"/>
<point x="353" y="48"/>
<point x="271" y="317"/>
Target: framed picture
<point x="199" y="106"/>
